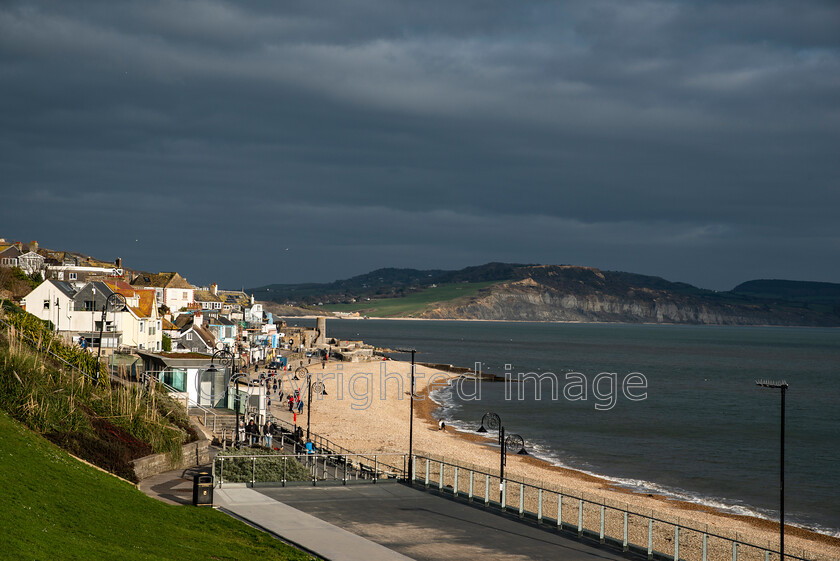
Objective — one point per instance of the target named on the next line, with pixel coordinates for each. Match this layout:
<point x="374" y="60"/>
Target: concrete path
<point x="300" y="528"/>
<point x="427" y="527"/>
<point x="173" y="487"/>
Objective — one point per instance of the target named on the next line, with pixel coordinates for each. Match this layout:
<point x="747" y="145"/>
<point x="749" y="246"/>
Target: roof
<point x="161" y="280"/>
<point x="202" y="332"/>
<point x="65" y="287"/>
<point x="206" y="296"/>
<point x="167" y="325"/>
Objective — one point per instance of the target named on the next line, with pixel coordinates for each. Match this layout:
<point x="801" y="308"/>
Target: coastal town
<point x="159" y="312"/>
<point x="251" y="383"/>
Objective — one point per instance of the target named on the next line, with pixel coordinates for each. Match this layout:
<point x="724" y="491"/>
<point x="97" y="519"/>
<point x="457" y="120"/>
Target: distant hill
<point x="381" y="283"/>
<point x="794" y="291"/>
<point x="504" y="291"/>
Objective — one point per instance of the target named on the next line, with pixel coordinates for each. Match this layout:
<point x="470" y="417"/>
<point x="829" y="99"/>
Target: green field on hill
<point x="414" y="303"/>
<point x="55" y="507"/>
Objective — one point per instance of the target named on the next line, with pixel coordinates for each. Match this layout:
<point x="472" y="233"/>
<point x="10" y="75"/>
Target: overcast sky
<point x="250" y="143"/>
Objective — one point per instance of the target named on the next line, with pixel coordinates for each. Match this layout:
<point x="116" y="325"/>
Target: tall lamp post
<point x="410" y="473"/>
<point x="227" y="358"/>
<point x="114" y="303"/>
<point x="781" y="385"/>
<point x="319" y="388"/>
<point x="491" y="421"/>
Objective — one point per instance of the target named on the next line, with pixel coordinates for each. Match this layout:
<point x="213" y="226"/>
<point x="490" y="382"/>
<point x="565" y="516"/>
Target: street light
<point x="410" y="418"/>
<point x="491" y="421"/>
<point x="227" y="358"/>
<point x="782" y="385"/>
<point x="319" y="388"/>
<point x="114" y="303"/>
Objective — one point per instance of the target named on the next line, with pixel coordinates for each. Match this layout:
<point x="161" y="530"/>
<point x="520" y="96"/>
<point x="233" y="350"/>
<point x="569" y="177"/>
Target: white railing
<point x="649" y="533"/>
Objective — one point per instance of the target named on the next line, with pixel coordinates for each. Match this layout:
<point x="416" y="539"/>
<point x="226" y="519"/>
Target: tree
<point x="166" y="343"/>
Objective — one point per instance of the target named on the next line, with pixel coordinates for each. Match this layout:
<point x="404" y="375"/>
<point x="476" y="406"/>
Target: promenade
<point x="381" y="522"/>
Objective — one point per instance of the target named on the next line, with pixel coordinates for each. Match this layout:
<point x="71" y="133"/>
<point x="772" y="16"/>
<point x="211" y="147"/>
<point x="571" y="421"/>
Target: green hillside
<point x="55" y="507"/>
<point x="413" y="303"/>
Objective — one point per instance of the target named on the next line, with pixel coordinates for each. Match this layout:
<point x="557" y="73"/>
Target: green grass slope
<point x="413" y="303"/>
<point x="54" y="507"/>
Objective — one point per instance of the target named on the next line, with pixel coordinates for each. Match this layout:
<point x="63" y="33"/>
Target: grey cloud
<point x="634" y="129"/>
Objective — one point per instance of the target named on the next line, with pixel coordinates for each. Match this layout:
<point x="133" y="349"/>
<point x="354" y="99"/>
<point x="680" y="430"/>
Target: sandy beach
<point x="366" y="409"/>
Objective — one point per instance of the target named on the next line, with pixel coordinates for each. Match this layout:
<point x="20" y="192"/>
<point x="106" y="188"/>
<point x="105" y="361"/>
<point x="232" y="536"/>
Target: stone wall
<point x="194" y="454"/>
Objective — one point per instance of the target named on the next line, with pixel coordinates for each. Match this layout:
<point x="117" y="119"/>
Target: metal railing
<point x="152" y="377"/>
<point x="39" y="348"/>
<point x="278" y="469"/>
<point x="649" y="533"/>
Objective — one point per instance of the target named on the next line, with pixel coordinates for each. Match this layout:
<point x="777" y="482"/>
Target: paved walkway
<point x="301" y="529"/>
<point x="427" y="527"/>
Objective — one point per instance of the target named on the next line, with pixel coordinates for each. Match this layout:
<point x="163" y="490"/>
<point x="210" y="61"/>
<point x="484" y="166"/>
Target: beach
<point x="366" y="409"/>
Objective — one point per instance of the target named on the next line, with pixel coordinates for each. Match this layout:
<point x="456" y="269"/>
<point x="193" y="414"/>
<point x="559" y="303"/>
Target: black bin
<point x="202" y="489"/>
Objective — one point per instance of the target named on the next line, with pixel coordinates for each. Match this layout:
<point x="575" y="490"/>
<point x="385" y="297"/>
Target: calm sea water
<point x="704" y="433"/>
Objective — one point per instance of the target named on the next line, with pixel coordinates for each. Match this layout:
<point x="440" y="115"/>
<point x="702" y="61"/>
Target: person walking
<point x="300" y="405"/>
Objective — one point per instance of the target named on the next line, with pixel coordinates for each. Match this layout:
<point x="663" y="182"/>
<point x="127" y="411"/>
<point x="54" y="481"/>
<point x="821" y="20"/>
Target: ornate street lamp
<point x="226" y="358"/>
<point x="318" y="387"/>
<point x="781" y="385"/>
<point x="491" y="421"/>
<point x="115" y="303"/>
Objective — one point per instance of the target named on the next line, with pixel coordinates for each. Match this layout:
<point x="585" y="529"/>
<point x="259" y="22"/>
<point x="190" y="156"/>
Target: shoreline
<point x="430" y="406"/>
<point x="376" y="420"/>
<point x="562" y="322"/>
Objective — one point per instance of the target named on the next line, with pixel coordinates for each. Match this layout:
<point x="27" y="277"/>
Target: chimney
<point x="33" y="246"/>
<point x="198" y="319"/>
<point x="19" y="246"/>
<point x="118" y="262"/>
<point x="214" y="288"/>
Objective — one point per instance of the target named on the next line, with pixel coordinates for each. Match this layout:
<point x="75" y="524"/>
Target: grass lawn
<point x="54" y="507"/>
<point x="414" y="303"/>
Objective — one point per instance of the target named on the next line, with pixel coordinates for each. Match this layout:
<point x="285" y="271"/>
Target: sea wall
<point x="192" y="455"/>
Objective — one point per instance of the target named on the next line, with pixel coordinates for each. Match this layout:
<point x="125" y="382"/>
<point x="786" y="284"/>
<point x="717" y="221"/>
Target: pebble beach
<point x="366" y="409"/>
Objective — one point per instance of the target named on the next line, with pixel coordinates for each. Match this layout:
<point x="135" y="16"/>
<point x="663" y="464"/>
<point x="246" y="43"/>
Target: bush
<point x="268" y="469"/>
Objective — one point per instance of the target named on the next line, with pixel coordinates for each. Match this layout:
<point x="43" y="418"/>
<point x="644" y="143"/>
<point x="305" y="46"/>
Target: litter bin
<point x="202" y="489"/>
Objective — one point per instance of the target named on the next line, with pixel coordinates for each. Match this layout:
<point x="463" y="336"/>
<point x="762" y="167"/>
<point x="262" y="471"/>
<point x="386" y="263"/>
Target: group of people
<point x="251" y="433"/>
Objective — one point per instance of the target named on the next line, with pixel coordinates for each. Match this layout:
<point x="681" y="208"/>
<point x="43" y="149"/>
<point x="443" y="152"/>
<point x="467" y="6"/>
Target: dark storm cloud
<point x="695" y="140"/>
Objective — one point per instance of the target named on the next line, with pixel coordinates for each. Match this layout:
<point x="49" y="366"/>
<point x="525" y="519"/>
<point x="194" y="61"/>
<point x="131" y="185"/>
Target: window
<point x="189" y="336"/>
<point x="142" y="326"/>
<point x="89" y="305"/>
<point x="47" y="304"/>
<point x="72" y="276"/>
<point x="186" y="295"/>
<point x="60" y="275"/>
<point x="151" y="330"/>
<point x="157" y="347"/>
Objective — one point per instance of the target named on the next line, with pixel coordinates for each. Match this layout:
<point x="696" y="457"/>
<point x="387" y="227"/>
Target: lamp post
<point x="410" y="417"/>
<point x="782" y="385"/>
<point x="319" y="388"/>
<point x="492" y="421"/>
<point x="114" y="303"/>
<point x="227" y="358"/>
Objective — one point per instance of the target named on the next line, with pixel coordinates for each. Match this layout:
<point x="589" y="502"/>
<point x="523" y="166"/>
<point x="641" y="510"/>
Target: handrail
<point x="190" y="401"/>
<point x="429" y="477"/>
<point x="32" y="341"/>
<point x="319" y="462"/>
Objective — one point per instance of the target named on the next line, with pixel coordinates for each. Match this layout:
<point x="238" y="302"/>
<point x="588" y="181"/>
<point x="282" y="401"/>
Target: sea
<point x="667" y="409"/>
